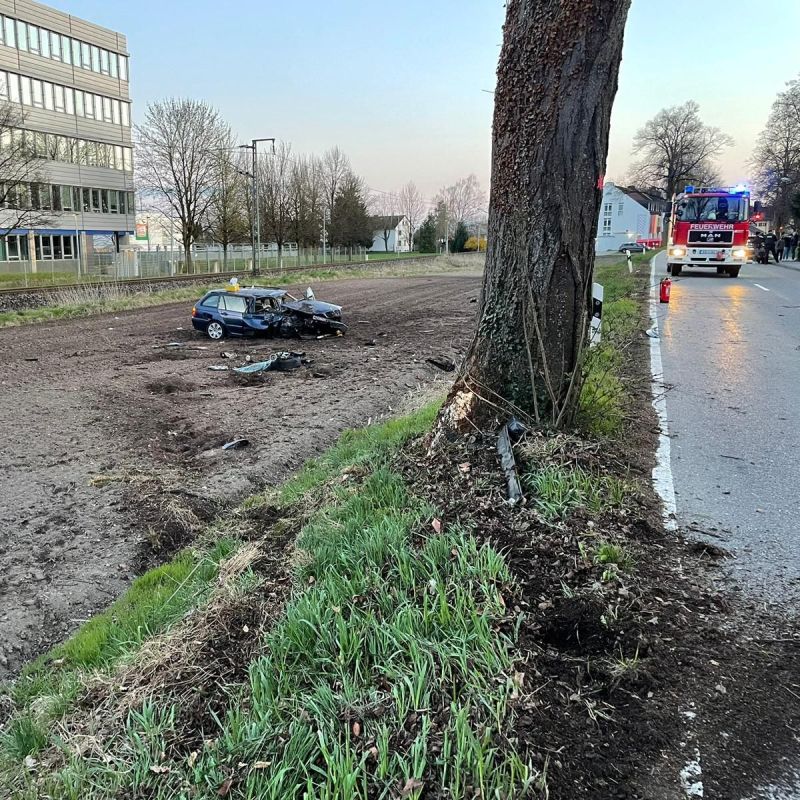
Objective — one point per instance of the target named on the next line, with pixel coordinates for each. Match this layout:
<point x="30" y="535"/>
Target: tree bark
<point x="557" y="80"/>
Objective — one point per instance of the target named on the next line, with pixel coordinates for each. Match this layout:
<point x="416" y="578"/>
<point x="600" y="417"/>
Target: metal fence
<point x="144" y="264"/>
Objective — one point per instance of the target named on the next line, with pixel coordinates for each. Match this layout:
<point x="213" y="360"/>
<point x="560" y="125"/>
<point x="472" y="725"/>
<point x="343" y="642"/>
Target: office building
<point x="70" y="81"/>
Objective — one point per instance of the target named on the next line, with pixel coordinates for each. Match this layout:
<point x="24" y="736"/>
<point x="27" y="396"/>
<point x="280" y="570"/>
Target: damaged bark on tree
<point x="557" y="79"/>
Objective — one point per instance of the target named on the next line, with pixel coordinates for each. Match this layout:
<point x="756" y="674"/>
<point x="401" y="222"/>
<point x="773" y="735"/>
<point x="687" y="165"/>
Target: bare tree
<point x="307" y="200"/>
<point x="462" y="202"/>
<point x="677" y="147"/>
<point x="411" y="205"/>
<point x="776" y="159"/>
<point x="335" y="168"/>
<point x="557" y="80"/>
<point x="226" y="220"/>
<point x="275" y="173"/>
<point x="21" y="176"/>
<point x="178" y="151"/>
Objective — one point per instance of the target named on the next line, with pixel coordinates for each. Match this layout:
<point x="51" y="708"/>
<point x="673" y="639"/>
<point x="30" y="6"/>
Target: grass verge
<point x="604" y="397"/>
<point x="389" y="670"/>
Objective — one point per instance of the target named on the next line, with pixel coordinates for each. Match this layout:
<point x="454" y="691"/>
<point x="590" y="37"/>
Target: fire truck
<point x="709" y="228"/>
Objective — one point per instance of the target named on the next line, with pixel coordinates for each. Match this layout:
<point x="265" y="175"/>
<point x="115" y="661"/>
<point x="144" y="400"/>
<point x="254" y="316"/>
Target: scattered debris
<point x="442" y="363"/>
<point x="653" y="333"/>
<point x="219" y="367"/>
<point x="281" y="362"/>
<point x="509" y="464"/>
<point x="236" y="444"/>
<point x="516" y="429"/>
<point x="229" y="355"/>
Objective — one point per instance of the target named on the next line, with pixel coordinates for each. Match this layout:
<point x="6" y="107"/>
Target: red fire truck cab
<point x="709" y="228"/>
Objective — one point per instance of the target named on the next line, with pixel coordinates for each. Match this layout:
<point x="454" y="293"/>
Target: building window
<point x="55" y="247"/>
<point x="33" y="39"/>
<point x="22" y="36"/>
<point x="10" y="32"/>
<point x="621" y="209"/>
<point x="47" y="197"/>
<point x="607" y="208"/>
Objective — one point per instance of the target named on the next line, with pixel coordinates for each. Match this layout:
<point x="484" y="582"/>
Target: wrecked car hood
<point x="312" y="307"/>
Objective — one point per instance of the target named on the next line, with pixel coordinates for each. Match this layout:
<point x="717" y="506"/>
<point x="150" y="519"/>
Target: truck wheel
<point x="675" y="269"/>
<point x="734" y="272"/>
<point x="721" y="270"/>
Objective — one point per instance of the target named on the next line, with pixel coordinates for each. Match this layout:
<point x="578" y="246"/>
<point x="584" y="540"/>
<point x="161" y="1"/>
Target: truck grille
<point x="710" y="237"/>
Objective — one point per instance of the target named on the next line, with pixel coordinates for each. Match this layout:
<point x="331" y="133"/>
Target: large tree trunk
<point x="557" y="80"/>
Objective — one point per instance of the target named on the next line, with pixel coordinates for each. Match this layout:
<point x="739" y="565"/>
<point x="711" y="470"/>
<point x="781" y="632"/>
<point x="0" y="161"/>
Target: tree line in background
<point x="189" y="163"/>
<point x="676" y="148"/>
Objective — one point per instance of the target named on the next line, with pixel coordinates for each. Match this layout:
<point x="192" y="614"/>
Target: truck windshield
<point x="713" y="209"/>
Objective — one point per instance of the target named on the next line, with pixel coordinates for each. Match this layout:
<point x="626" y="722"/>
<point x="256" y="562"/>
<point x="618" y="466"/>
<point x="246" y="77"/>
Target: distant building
<point x="69" y="80"/>
<point x="628" y="215"/>
<point x="399" y="234"/>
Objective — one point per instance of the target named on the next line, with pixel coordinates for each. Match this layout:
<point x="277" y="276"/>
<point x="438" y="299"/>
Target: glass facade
<point x="69" y="149"/>
<point x="54" y="197"/>
<point x="64" y="99"/>
<point x="56" y="46"/>
<point x="49" y="247"/>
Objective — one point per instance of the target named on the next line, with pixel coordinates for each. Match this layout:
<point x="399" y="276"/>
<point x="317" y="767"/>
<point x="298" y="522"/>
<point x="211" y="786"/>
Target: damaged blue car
<point x="264" y="312"/>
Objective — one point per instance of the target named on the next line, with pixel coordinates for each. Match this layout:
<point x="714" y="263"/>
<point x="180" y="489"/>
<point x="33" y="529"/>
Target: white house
<point x="390" y="234"/>
<point x="628" y="215"/>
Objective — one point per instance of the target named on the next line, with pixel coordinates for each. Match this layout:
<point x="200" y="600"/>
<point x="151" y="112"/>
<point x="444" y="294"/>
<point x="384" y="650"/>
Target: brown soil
<point x="628" y="674"/>
<point x="112" y="440"/>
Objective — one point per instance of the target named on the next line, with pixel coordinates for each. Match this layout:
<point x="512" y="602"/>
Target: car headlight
<point x="678" y="252"/>
<point x="739" y="252"/>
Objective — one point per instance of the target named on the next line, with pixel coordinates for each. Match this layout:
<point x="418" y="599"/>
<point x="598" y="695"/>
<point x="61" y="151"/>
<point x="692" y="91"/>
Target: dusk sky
<point x="399" y="86"/>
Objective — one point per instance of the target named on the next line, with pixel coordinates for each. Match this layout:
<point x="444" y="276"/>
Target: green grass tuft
<point x="608" y="553"/>
<point x="25" y="736"/>
<point x="558" y="491"/>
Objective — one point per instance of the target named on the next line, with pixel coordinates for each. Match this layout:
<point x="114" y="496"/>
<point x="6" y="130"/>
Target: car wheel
<point x="676" y="270"/>
<point x="215" y="331"/>
<point x="721" y="270"/>
<point x="734" y="272"/>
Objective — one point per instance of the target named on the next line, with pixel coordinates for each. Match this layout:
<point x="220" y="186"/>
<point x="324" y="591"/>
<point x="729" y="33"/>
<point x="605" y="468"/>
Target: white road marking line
<point x="662" y="472"/>
<point x="764" y="288"/>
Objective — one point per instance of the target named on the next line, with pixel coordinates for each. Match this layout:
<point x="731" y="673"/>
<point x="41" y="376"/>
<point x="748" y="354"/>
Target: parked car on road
<point x="634" y="247"/>
<point x="264" y="312"/>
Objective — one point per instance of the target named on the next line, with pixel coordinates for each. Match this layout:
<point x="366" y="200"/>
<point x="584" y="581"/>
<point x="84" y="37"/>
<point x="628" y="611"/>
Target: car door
<point x="207" y="309"/>
<point x="232" y="308"/>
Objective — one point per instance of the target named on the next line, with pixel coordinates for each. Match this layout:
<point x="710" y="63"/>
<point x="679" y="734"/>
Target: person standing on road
<point x="796" y="246"/>
<point x="779" y="248"/>
<point x="769" y="242"/>
<point x="787" y="245"/>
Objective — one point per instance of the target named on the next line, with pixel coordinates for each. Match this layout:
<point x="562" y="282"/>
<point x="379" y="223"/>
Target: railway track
<point x="205" y="277"/>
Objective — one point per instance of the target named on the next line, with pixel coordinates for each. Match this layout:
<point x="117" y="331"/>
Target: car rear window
<point x="212" y="301"/>
<point x="235" y="303"/>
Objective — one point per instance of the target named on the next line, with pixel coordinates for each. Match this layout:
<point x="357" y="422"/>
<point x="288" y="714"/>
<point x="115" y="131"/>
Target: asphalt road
<point x="731" y="356"/>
